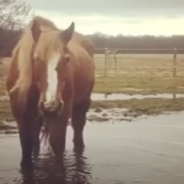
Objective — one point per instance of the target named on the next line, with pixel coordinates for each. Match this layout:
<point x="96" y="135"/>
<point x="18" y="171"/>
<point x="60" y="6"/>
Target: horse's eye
<point x="36" y="61"/>
<point x="66" y="59"/>
<point x="62" y="62"/>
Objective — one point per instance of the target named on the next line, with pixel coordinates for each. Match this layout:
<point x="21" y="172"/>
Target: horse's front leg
<point x="78" y="123"/>
<point x="26" y="141"/>
<point x="56" y="130"/>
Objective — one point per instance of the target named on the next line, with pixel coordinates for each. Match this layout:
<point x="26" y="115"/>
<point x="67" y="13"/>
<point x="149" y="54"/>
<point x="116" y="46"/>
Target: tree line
<point x="12" y="23"/>
<point x="163" y="44"/>
<point x="156" y="44"/>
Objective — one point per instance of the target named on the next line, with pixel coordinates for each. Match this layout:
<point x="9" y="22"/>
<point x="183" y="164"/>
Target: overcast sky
<point x="134" y="17"/>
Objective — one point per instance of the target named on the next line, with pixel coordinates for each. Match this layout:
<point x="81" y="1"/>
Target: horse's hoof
<point x="36" y="152"/>
<point x="26" y="166"/>
<point x="78" y="141"/>
<point x="79" y="146"/>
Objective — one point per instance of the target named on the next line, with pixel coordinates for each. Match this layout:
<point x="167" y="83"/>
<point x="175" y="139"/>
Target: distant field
<point x="140" y="73"/>
<point x="143" y="74"/>
<point x="135" y="73"/>
<point x="140" y="64"/>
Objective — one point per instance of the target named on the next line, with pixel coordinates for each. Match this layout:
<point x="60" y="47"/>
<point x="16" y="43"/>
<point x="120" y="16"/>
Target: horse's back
<point x="85" y="42"/>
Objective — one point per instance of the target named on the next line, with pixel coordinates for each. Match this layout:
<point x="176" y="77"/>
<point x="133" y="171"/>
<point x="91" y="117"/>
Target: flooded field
<point x="115" y="107"/>
<point x="145" y="151"/>
<point x="119" y="96"/>
<point x="134" y="134"/>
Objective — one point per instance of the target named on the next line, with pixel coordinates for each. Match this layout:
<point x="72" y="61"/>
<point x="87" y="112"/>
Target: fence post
<point x="106" y="55"/>
<point x="115" y="61"/>
<point x="174" y="62"/>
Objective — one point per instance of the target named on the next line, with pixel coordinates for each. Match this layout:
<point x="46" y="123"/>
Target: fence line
<point x="141" y="51"/>
<point x="111" y="57"/>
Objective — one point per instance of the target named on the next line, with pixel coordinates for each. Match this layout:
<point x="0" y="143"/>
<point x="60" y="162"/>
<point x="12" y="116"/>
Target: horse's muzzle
<point x="52" y="108"/>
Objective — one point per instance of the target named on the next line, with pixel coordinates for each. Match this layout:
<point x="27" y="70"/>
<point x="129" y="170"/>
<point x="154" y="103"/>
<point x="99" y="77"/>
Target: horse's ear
<point x="67" y="33"/>
<point x="35" y="29"/>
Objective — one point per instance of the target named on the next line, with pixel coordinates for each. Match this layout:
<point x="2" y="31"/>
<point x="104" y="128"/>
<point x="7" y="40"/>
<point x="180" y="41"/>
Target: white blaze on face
<point x="52" y="79"/>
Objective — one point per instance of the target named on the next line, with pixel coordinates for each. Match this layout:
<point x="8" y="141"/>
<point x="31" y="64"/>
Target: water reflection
<point x="120" y="96"/>
<point x="72" y="169"/>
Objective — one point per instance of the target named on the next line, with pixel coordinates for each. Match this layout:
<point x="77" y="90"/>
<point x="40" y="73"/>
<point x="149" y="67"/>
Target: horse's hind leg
<point x="78" y="122"/>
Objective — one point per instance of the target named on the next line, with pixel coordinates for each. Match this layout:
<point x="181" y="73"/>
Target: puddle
<point x="109" y="115"/>
<point x="4" y="97"/>
<point x="132" y="89"/>
<point x="148" y="151"/>
<point x="119" y="96"/>
<point x="100" y="115"/>
<point x="10" y="123"/>
<point x="94" y="115"/>
<point x="99" y="75"/>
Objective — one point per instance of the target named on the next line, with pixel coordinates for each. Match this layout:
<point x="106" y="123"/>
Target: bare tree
<point x="13" y="17"/>
<point x="14" y="14"/>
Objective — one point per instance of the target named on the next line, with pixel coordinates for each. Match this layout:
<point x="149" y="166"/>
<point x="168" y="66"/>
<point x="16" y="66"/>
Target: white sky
<point x="116" y="25"/>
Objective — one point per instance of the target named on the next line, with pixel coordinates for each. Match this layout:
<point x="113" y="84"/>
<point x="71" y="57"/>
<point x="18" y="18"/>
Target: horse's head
<point x="51" y="57"/>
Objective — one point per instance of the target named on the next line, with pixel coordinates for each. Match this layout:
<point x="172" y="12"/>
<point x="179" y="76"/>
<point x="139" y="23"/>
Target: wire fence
<point x="134" y="70"/>
<point x="139" y="62"/>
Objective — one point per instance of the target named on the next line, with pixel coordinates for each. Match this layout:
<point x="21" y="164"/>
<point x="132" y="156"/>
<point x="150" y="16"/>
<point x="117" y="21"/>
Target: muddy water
<point x="119" y="96"/>
<point x="145" y="151"/>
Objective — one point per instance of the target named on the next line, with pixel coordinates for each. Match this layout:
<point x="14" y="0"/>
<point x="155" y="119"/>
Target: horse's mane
<point x="22" y="53"/>
<point x="85" y="42"/>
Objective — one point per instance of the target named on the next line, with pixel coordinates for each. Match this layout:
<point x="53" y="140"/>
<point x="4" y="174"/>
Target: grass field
<point x="138" y="73"/>
<point x="143" y="74"/>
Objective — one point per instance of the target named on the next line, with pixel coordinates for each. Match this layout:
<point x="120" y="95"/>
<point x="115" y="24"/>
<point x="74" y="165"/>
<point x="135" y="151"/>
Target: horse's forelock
<point x="23" y="52"/>
<point x="45" y="136"/>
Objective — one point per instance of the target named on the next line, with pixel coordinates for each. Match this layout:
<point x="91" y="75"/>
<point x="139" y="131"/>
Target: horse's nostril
<point x="42" y="104"/>
<point x="61" y="105"/>
<point x="51" y="108"/>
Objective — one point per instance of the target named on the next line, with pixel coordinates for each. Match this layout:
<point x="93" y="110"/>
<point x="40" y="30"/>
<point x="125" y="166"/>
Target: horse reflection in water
<point x="72" y="169"/>
<point x="50" y="80"/>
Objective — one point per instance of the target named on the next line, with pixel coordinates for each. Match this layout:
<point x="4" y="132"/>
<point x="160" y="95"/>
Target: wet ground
<point x="144" y="151"/>
<point x="114" y="107"/>
<point x="120" y="96"/>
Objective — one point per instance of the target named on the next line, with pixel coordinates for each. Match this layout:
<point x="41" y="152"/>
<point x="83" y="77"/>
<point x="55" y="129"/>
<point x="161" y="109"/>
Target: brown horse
<point x="50" y="80"/>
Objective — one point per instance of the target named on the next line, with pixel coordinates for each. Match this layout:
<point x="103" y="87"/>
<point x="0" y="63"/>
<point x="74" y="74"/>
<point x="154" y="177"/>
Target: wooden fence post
<point x="174" y="62"/>
<point x="106" y="55"/>
<point x="115" y="61"/>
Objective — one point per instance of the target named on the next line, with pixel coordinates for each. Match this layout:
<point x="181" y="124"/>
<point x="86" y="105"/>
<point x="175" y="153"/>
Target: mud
<point x="118" y="107"/>
<point x="145" y="151"/>
<point x="138" y="107"/>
